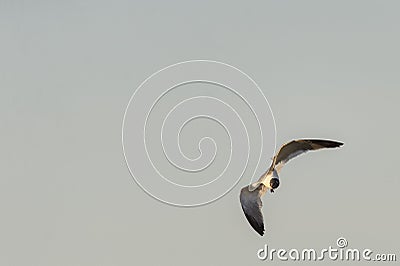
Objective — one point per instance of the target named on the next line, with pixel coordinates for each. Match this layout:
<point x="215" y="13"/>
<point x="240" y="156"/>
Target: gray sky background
<point x="68" y="68"/>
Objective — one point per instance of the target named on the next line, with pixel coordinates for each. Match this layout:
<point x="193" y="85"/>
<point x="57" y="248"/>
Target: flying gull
<point x="250" y="196"/>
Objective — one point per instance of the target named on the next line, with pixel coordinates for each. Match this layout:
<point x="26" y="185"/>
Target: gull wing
<point x="251" y="205"/>
<point x="296" y="147"/>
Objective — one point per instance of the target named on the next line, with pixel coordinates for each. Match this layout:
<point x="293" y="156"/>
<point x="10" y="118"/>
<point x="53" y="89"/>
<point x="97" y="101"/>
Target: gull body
<point x="250" y="196"/>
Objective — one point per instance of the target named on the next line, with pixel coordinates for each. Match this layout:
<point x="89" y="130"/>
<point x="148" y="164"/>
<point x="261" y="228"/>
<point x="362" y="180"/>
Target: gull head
<point x="274" y="183"/>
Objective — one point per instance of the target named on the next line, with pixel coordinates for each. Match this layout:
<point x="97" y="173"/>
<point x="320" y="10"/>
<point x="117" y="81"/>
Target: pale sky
<point x="68" y="69"/>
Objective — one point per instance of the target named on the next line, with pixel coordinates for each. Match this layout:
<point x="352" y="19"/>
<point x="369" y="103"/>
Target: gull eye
<point x="274" y="183"/>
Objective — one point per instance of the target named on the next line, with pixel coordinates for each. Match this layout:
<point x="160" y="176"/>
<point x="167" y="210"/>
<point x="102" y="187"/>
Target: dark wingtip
<point x="337" y="144"/>
<point x="327" y="143"/>
<point x="259" y="228"/>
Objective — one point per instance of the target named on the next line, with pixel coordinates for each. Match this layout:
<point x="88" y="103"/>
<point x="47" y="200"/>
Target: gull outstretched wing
<point x="296" y="147"/>
<point x="251" y="205"/>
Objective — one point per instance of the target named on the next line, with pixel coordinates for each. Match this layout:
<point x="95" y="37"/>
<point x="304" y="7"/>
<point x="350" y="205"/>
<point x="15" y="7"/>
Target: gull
<point x="250" y="196"/>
